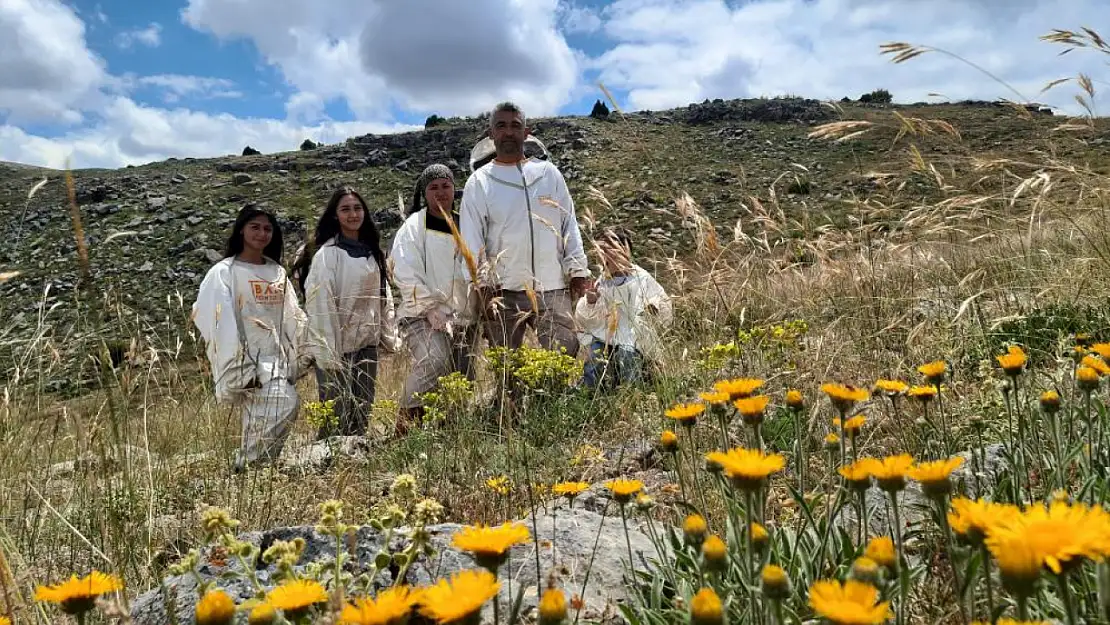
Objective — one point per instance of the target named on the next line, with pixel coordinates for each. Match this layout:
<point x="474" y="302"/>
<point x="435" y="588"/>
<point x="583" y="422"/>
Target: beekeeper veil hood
<point x="437" y="171"/>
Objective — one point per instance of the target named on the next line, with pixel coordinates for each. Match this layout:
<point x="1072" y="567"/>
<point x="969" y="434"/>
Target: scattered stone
<point x="568" y="550"/>
<point x="179" y="178"/>
<point x="147" y="266"/>
<point x="242" y="179"/>
<point x="194" y="220"/>
<point x="320" y="455"/>
<point x="156" y="203"/>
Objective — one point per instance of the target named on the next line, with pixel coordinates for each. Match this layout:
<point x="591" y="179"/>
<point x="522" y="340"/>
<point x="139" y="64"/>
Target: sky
<point x="107" y="83"/>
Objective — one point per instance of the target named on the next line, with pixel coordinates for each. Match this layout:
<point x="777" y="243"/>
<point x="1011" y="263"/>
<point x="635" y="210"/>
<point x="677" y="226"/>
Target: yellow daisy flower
<point x="454" y="600"/>
<point x="776" y="583"/>
<point x="891" y="387"/>
<point x="890" y="472"/>
<point x="1102" y="349"/>
<point x="738" y="387"/>
<point x="489" y="546"/>
<point x="1098" y="364"/>
<point x="1061" y="534"/>
<point x="77" y="595"/>
<point x="935" y="476"/>
<point x="923" y="394"/>
<point x="858" y="474"/>
<point x="794" y="399"/>
<point x="553" y="607"/>
<point x="1050" y="402"/>
<point x="623" y="490"/>
<point x="714" y="397"/>
<point x="1087" y="378"/>
<point x="851" y="603"/>
<point x="752" y="408"/>
<point x="215" y="608"/>
<point x="686" y="414"/>
<point x="392" y="606"/>
<point x="668" y="441"/>
<point x="852" y="426"/>
<point x="715" y="553"/>
<point x="1013" y="361"/>
<point x="881" y="550"/>
<point x="844" y="396"/>
<point x="695" y="528"/>
<point x="934" y="372"/>
<point x="705" y="608"/>
<point x="569" y="490"/>
<point x="747" y="468"/>
<point x="297" y="596"/>
<point x="974" y="519"/>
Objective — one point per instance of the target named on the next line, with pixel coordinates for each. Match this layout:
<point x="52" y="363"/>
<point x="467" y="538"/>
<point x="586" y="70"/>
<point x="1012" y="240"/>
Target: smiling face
<point x="257" y="234"/>
<point x="350" y="214"/>
<point x="439" y="195"/>
<point x="508" y="132"/>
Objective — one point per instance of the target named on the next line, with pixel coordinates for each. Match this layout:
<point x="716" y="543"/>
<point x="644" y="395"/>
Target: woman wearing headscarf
<point x="350" y="310"/>
<point x="247" y="313"/>
<point x="438" y="306"/>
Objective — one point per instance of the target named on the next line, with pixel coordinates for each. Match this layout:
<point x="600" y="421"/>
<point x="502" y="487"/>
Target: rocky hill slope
<point x="152" y="231"/>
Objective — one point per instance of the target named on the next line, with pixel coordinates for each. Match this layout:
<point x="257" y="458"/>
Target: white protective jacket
<point x="522" y="223"/>
<point x="346" y="310"/>
<point x="253" y="327"/>
<point x="620" y="315"/>
<point x="430" y="273"/>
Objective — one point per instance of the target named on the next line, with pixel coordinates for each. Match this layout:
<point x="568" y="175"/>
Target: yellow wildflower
<point x="623" y="490"/>
<point x="460" y="597"/>
<point x="705" y="608"/>
<point x="747" y="468"/>
<point x="392" y="606"/>
<point x="851" y="603"/>
<point x="77" y="595"/>
<point x="489" y="546"/>
<point x="215" y="608"/>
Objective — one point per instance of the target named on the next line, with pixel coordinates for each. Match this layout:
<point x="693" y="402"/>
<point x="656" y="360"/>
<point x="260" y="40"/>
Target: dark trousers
<point x="352" y="388"/>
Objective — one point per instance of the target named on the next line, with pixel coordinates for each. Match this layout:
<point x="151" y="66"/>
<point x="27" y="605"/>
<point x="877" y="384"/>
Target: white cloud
<point x="151" y="37"/>
<point x="48" y="69"/>
<point x="305" y="107"/>
<point x="130" y="133"/>
<point x="423" y="55"/>
<point x="829" y="48"/>
<point x="577" y="20"/>
<point x="177" y="86"/>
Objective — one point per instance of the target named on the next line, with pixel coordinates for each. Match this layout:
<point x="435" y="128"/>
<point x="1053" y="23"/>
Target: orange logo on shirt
<point x="268" y="293"/>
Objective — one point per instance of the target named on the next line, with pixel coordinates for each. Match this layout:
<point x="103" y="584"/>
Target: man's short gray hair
<point x="510" y="107"/>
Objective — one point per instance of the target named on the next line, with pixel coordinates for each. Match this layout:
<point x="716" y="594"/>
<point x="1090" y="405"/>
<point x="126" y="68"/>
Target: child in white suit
<point x="621" y="315"/>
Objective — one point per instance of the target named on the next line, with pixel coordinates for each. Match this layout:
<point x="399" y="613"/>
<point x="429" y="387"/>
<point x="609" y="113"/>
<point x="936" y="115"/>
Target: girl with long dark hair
<point x="350" y="310"/>
<point x="438" y="308"/>
<point x="247" y="313"/>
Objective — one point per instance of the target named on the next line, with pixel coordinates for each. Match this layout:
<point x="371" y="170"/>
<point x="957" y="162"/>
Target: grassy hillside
<point x="803" y="243"/>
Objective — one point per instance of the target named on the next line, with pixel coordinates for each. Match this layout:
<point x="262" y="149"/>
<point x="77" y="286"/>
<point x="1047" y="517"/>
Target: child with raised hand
<point x="621" y="315"/>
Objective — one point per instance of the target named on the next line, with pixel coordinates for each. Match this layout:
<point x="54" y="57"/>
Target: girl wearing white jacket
<point x="438" y="306"/>
<point x="350" y="310"/>
<point x="247" y="313"/>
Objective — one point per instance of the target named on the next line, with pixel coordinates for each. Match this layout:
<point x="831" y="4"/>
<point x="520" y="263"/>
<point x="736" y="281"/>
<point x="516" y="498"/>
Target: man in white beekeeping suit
<point x="517" y="219"/>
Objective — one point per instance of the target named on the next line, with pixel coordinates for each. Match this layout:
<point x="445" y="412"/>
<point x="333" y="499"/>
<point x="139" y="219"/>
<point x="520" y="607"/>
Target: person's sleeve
<point x="472" y="230"/>
<point x="299" y="330"/>
<point x="214" y="316"/>
<point x="590" y="316"/>
<point x="390" y="338"/>
<point x="407" y="257"/>
<point x="323" y="318"/>
<point x="655" y="295"/>
<point x="574" y="261"/>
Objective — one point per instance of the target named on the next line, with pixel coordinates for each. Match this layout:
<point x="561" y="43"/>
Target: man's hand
<point x="486" y="295"/>
<point x="579" y="286"/>
<point x="591" y="293"/>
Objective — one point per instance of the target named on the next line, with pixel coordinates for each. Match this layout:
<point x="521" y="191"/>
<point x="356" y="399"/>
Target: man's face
<point x="508" y="133"/>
